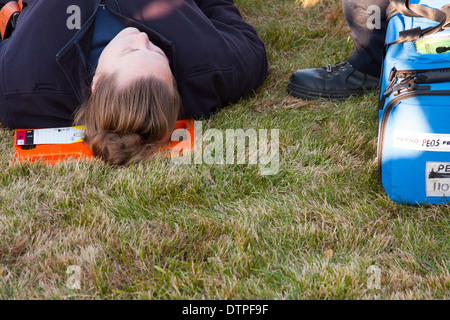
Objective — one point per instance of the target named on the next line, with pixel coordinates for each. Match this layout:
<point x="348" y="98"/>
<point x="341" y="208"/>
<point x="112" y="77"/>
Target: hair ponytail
<point x="126" y="125"/>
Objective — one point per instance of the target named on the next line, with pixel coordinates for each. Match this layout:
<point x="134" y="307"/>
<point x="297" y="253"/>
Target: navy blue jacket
<point x="215" y="56"/>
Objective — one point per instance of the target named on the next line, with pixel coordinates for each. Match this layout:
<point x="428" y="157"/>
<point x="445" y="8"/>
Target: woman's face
<point x="131" y="55"/>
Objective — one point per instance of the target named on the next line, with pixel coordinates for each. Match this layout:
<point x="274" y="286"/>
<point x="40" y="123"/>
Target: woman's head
<point x="134" y="103"/>
<point x="126" y="125"/>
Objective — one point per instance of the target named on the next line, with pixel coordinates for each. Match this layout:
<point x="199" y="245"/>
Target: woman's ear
<point x="94" y="83"/>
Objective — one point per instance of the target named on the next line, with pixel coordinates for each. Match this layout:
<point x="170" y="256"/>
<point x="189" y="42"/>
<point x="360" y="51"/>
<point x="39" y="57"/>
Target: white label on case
<point x="437" y="179"/>
<point x="421" y="141"/>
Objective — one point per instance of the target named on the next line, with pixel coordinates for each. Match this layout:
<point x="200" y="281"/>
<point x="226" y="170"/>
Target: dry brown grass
<point x="164" y="231"/>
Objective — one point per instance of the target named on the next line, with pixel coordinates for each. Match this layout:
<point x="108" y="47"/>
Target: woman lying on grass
<point x="134" y="66"/>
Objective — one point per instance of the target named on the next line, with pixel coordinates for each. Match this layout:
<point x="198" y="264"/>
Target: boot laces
<point x="336" y="67"/>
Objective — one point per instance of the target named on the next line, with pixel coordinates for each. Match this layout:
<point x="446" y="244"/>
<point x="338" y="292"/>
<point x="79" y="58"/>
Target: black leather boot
<point x="337" y="82"/>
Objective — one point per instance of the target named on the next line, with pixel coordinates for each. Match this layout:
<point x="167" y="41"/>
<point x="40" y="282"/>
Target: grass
<point x="159" y="230"/>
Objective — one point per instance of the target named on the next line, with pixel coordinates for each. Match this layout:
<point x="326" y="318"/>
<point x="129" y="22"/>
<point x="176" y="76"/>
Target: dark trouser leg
<point x="367" y="20"/>
<point x="368" y="42"/>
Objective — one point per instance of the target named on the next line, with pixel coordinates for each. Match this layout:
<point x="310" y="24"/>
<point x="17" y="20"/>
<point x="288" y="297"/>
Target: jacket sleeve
<point x="216" y="8"/>
<point x="248" y="49"/>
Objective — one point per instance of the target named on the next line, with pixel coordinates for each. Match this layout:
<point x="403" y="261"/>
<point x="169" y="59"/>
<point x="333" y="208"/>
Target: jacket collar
<point x="73" y="57"/>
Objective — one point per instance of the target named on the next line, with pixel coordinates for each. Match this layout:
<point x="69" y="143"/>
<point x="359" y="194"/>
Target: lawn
<point x="321" y="227"/>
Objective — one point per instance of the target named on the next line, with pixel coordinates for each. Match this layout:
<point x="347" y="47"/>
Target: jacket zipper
<point x="388" y="110"/>
<point x="76" y="35"/>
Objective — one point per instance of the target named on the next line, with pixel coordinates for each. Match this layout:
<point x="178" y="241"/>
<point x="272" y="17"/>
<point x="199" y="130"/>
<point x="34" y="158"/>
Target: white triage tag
<point x="65" y="135"/>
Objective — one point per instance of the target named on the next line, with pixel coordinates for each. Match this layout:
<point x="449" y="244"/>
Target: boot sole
<point x="300" y="92"/>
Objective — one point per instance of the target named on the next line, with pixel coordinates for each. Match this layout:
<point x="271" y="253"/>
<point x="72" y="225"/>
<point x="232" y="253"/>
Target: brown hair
<point x="126" y="125"/>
